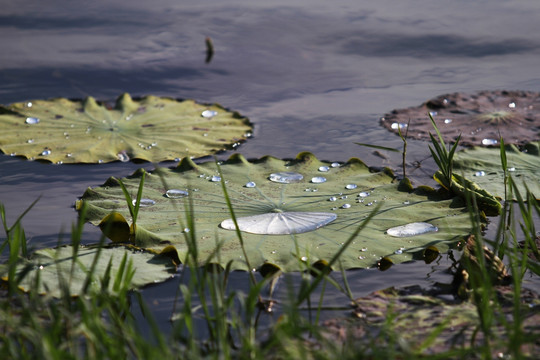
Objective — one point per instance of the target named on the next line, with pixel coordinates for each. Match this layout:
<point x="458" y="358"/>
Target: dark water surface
<point x="311" y="75"/>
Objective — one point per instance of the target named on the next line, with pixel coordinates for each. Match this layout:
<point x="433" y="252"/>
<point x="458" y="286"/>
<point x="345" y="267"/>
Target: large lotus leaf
<point x="483" y="166"/>
<point x="48" y="267"/>
<point x="480" y="118"/>
<point x="295" y="222"/>
<point x="151" y="128"/>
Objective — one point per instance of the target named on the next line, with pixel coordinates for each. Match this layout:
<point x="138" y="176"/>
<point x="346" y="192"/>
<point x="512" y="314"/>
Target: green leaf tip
<point x="115" y="227"/>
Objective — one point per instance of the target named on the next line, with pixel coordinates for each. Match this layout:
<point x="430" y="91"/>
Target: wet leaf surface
<point x="483" y="166"/>
<point x="51" y="267"/>
<point x="328" y="212"/>
<point x="481" y="118"/>
<point x="150" y="128"/>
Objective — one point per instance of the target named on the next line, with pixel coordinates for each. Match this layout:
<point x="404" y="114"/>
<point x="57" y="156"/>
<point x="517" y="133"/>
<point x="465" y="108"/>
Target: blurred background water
<point x="311" y="75"/>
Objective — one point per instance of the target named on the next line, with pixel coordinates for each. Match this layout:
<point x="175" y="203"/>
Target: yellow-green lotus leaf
<point x="150" y="128"/>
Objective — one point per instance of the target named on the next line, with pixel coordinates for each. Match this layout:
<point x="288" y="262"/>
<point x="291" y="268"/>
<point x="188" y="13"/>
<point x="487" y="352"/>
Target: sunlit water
<point x="311" y="75"/>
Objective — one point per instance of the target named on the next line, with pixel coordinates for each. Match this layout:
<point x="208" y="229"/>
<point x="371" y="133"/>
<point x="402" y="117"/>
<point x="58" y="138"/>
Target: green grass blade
<point x="378" y="147"/>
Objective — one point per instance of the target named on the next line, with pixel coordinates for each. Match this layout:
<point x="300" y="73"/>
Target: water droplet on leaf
<point x="489" y="142"/>
<point x="176" y="193"/>
<point x="144" y="202"/>
<point x="396" y="126"/>
<point x="351" y="186"/>
<point x="31" y="120"/>
<point x="123" y="156"/>
<point x="480" y="173"/>
<point x="281" y="223"/>
<point x="318" y="180"/>
<point x="324" y="169"/>
<point x="209" y="113"/>
<point x="286" y="177"/>
<point x="412" y="229"/>
<point x="250" y="184"/>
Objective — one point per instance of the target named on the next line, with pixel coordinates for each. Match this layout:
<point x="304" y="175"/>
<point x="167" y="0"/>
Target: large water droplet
<point x="285" y="177"/>
<point x="144" y="202"/>
<point x="363" y="194"/>
<point x="281" y="223"/>
<point x="176" y="194"/>
<point x="215" y="178"/>
<point x="318" y="180"/>
<point x="209" y="113"/>
<point x="324" y="168"/>
<point x="351" y="186"/>
<point x="46" y="152"/>
<point x="412" y="229"/>
<point x="480" y="173"/>
<point x="31" y="120"/>
<point x="345" y="206"/>
<point x="489" y="142"/>
<point x="332" y="198"/>
<point x="123" y="156"/>
<point x="250" y="184"/>
<point x="335" y="164"/>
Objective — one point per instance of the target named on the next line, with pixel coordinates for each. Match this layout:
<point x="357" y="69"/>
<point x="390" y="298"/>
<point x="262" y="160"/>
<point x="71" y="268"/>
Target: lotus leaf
<point x="51" y="266"/>
<point x="481" y="118"/>
<point x="151" y="128"/>
<point x="328" y="212"/>
<point x="483" y="166"/>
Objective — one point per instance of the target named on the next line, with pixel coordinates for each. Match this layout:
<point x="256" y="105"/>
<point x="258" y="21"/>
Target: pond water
<point x="311" y="75"/>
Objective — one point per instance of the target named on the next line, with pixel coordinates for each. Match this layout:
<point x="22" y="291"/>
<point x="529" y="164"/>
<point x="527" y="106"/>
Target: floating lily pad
<point x="286" y="224"/>
<point x="151" y="128"/>
<point x="483" y="166"/>
<point x="481" y="118"/>
<point x="49" y="264"/>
